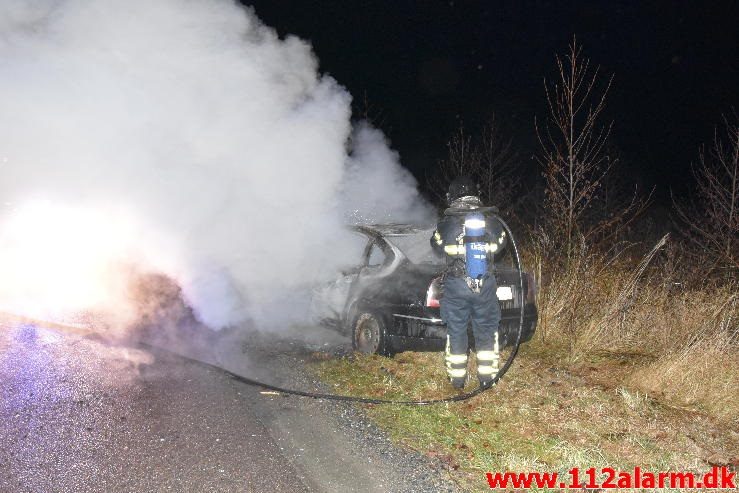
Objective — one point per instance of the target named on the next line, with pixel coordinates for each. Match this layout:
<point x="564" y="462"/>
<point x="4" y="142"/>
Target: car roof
<point x="409" y="241"/>
<point x="393" y="229"/>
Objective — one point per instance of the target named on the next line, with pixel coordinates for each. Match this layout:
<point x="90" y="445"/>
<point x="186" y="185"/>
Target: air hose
<point x="365" y="400"/>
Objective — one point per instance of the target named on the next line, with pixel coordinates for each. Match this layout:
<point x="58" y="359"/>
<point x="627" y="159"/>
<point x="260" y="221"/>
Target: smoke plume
<point x="181" y="137"/>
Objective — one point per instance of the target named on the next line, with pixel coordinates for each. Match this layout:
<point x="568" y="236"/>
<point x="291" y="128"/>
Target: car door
<point x="329" y="299"/>
<point x="378" y="263"/>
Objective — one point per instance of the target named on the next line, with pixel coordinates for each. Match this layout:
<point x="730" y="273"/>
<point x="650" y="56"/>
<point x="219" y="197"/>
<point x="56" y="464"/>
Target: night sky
<point x="424" y="67"/>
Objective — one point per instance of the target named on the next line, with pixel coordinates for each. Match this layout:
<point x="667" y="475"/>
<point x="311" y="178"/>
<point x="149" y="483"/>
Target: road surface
<point x="79" y="414"/>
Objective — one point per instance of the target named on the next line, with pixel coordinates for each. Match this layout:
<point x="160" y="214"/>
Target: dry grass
<point x="703" y="375"/>
<point x="629" y="367"/>
<point x="678" y="344"/>
<point x="541" y="417"/>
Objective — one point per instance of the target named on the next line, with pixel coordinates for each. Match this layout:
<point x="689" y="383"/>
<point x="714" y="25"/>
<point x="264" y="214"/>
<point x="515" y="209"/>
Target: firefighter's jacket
<point x="449" y="237"/>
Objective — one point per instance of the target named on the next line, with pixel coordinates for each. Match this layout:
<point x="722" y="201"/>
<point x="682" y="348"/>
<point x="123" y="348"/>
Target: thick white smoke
<point x="182" y="137"/>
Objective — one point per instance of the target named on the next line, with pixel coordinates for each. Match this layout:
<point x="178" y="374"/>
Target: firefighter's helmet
<point x="462" y="186"/>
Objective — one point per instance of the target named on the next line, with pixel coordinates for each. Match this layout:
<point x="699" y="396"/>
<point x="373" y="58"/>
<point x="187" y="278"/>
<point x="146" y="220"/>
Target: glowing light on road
<point x="56" y="259"/>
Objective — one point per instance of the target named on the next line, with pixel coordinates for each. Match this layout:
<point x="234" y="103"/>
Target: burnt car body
<point x="390" y="301"/>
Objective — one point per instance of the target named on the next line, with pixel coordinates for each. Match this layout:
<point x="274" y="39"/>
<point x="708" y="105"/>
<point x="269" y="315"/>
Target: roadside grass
<point x="654" y="332"/>
<point x="541" y="417"/>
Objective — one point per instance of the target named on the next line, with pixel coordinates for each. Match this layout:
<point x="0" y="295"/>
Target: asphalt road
<point x="79" y="414"/>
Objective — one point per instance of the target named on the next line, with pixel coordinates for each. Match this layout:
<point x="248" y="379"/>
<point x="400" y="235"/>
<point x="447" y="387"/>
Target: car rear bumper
<point x="418" y="333"/>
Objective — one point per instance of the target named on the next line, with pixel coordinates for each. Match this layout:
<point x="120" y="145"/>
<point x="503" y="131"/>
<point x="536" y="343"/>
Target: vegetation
<point x="489" y="159"/>
<point x="545" y="415"/>
<point x="636" y="359"/>
<point x="712" y="224"/>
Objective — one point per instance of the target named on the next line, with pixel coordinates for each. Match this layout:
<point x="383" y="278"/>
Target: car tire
<point x="369" y="333"/>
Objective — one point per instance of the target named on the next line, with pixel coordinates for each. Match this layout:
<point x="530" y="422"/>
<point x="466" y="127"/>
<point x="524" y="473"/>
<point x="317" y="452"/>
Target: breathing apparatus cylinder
<point x="476" y="259"/>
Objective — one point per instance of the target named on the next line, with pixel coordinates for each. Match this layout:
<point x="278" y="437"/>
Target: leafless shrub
<point x="576" y="160"/>
<point x="461" y="159"/>
<point x="588" y="302"/>
<point x="565" y="301"/>
<point x="614" y="317"/>
<point x="489" y="159"/>
<point x="710" y="222"/>
<point x="498" y="165"/>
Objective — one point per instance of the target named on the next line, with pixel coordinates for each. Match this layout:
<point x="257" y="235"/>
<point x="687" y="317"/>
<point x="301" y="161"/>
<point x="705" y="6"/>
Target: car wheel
<point x="368" y="334"/>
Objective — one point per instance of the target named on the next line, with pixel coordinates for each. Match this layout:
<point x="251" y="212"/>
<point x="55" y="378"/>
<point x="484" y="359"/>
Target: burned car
<point x="390" y="299"/>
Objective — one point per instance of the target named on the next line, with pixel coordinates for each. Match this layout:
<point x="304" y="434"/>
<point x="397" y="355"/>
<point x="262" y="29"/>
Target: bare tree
<point x="573" y="144"/>
<point x="461" y="159"/>
<point x="712" y="224"/>
<point x="489" y="159"/>
<point x="498" y="165"/>
<point x="581" y="201"/>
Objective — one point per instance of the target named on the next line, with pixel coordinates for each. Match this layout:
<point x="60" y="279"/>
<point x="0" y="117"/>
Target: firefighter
<point x="469" y="238"/>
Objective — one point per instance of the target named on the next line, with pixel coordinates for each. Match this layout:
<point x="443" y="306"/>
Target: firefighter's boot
<point x="488" y="363"/>
<point x="456" y="367"/>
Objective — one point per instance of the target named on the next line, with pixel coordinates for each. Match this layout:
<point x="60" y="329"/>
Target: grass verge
<point x="545" y="415"/>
